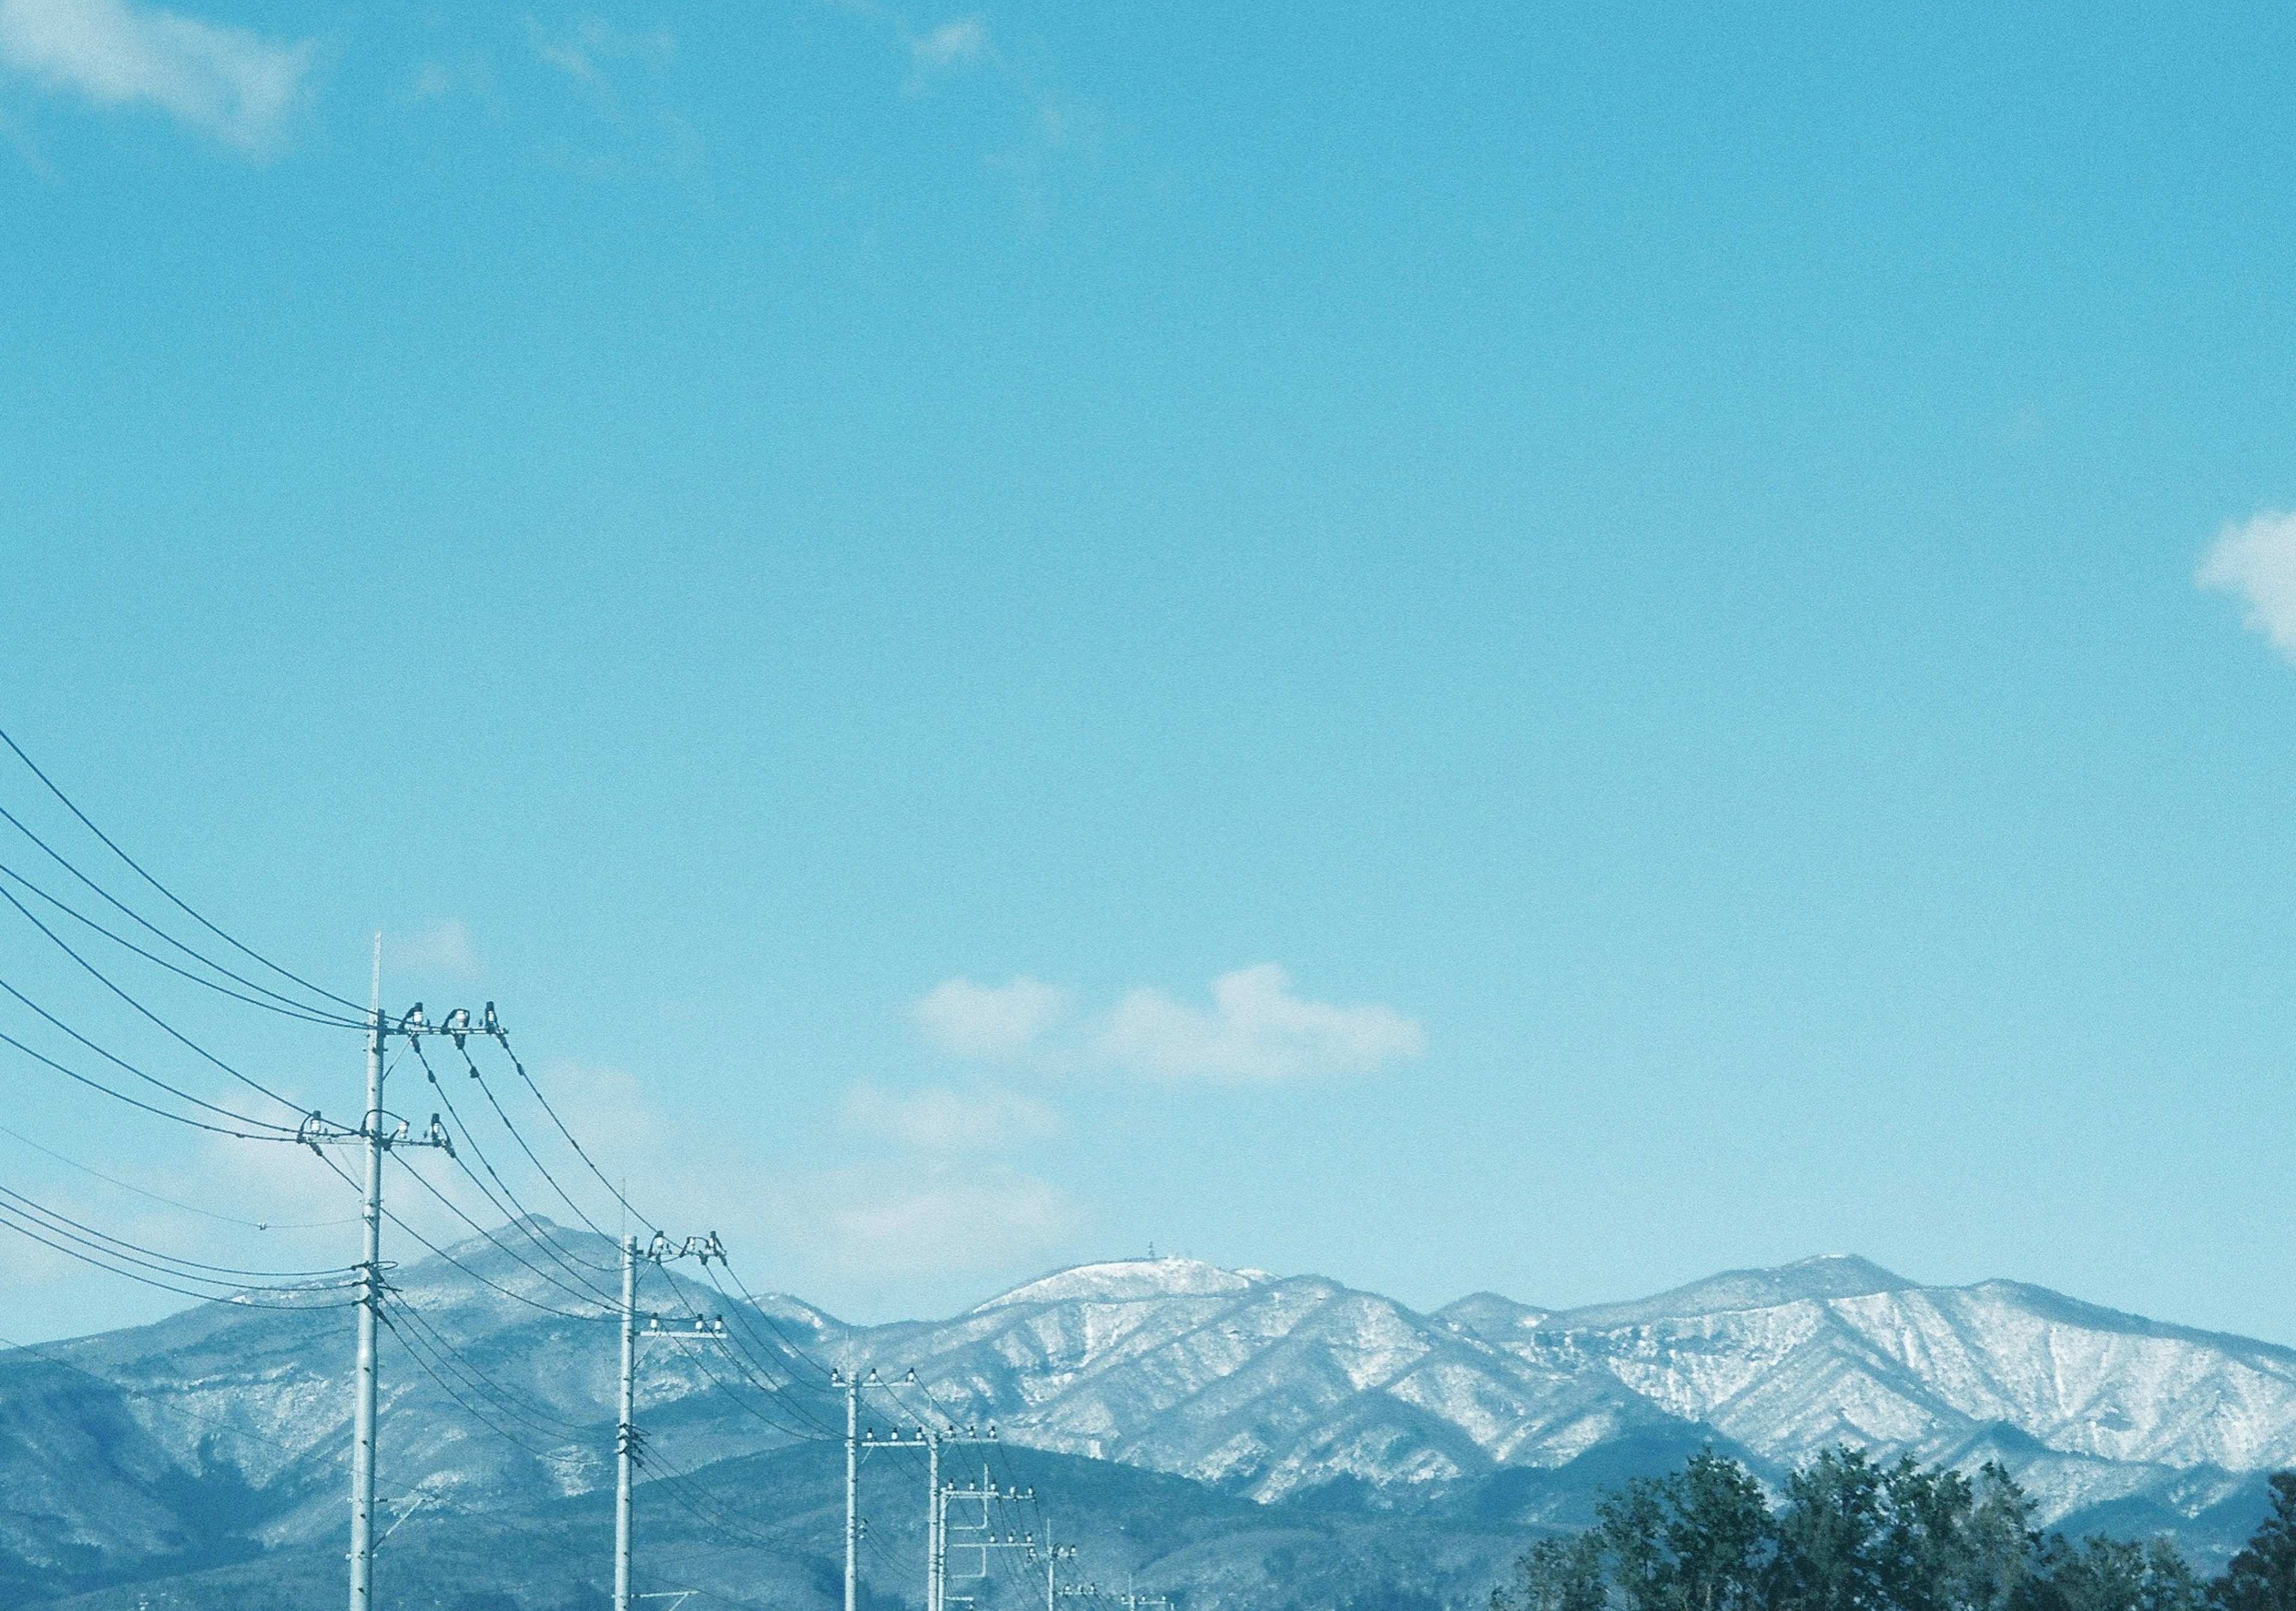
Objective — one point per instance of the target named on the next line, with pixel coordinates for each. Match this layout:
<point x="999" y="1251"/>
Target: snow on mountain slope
<point x="1279" y="1386"/>
<point x="225" y="1426"/>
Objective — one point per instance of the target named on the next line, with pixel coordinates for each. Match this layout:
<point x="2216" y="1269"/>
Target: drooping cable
<point x="508" y="1205"/>
<point x="268" y="1132"/>
<point x="439" y="1253"/>
<point x="502" y="1038"/>
<point x="166" y="1028"/>
<point x="448" y="1388"/>
<point x="539" y="1417"/>
<point x="563" y="1195"/>
<point x="126" y="1248"/>
<point x="500" y="1247"/>
<point x="285" y="1007"/>
<point x="189" y="1208"/>
<point x="12" y="1220"/>
<point x="172" y="898"/>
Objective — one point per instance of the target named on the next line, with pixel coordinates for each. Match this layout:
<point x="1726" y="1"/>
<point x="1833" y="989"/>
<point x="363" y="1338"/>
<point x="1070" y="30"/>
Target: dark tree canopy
<point x="1848" y="1533"/>
<point x="2262" y="1577"/>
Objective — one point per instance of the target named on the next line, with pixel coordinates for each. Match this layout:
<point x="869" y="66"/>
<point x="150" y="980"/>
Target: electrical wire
<point x="189" y="1208"/>
<point x="540" y="1417"/>
<point x="487" y="1091"/>
<point x="100" y="978"/>
<point x="502" y="1038"/>
<point x="187" y="1265"/>
<point x="173" y="899"/>
<point x="739" y="1402"/>
<point x="448" y="1388"/>
<point x="500" y="1246"/>
<point x="449" y="1258"/>
<point x="687" y="1492"/>
<point x="285" y="1007"/>
<point x="242" y="1297"/>
<point x="512" y="1210"/>
<point x="274" y="1132"/>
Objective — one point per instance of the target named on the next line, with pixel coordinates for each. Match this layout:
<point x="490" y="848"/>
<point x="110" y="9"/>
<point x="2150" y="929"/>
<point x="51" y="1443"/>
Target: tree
<point x="2262" y="1577"/>
<point x="1827" y="1534"/>
<point x="1557" y="1574"/>
<point x="2118" y="1574"/>
<point x="1719" y="1533"/>
<point x="1697" y="1540"/>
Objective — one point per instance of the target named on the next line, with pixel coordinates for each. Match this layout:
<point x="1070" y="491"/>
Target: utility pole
<point x="986" y="1493"/>
<point x="378" y="1136"/>
<point x="370" y="1311"/>
<point x="626" y="1424"/>
<point x="853" y="1487"/>
<point x="662" y="1250"/>
<point x="1053" y="1555"/>
<point x="931" y="1439"/>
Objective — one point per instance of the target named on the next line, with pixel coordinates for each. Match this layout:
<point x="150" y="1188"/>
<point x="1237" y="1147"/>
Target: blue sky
<point x="1525" y="648"/>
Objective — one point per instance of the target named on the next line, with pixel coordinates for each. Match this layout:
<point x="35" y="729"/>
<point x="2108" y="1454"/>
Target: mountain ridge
<point x="216" y="1436"/>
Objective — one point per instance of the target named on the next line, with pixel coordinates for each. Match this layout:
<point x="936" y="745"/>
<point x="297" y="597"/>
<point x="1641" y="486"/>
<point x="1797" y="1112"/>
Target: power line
<point x="539" y="1417"/>
<point x="448" y="1388"/>
<point x="285" y="1007"/>
<point x="188" y="1264"/>
<point x="502" y="1038"/>
<point x="515" y="1211"/>
<point x="188" y="1208"/>
<point x="487" y="1091"/>
<point x="166" y="1027"/>
<point x="482" y="1279"/>
<point x="500" y="1246"/>
<point x="173" y="899"/>
<point x="276" y="1132"/>
<point x="8" y="1218"/>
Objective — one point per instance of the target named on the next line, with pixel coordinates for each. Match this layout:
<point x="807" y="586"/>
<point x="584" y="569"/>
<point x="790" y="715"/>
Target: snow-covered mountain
<point x="220" y="1433"/>
<point x="1276" y="1386"/>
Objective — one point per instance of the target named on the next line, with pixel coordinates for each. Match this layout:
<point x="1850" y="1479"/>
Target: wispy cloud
<point x="443" y="948"/>
<point x="2255" y="561"/>
<point x="932" y="1220"/>
<point x="989" y="1023"/>
<point x="587" y="50"/>
<point x="1257" y="1028"/>
<point x="939" y="1120"/>
<point x="954" y="44"/>
<point x="227" y="82"/>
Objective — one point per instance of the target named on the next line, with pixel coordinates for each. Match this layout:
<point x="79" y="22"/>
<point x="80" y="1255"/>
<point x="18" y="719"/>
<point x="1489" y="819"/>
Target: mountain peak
<point x="1128" y="1280"/>
<point x="1832" y="1275"/>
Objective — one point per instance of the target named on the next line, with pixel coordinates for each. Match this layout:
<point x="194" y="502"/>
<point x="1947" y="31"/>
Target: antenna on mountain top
<point x="1152" y="1252"/>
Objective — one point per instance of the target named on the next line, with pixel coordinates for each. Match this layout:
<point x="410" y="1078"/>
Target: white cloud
<point x="583" y="53"/>
<point x="931" y="1221"/>
<point x="443" y="948"/>
<point x="943" y="1121"/>
<point x="952" y="44"/>
<point x="987" y="1021"/>
<point x="1255" y="1029"/>
<point x="2255" y="562"/>
<point x="233" y="84"/>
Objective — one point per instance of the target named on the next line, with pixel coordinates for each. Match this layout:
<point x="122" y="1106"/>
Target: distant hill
<point x="1229" y="1436"/>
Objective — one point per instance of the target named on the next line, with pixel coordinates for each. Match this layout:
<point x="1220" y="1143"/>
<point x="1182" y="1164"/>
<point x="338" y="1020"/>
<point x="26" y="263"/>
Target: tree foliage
<point x="1849" y="1534"/>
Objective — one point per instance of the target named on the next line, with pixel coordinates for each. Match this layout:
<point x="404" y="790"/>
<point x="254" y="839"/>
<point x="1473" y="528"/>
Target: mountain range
<point x="1228" y="1436"/>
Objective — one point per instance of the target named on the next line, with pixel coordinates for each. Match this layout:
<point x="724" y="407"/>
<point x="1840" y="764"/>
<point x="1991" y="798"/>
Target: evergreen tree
<point x="1557" y="1574"/>
<point x="1852" y="1535"/>
<point x="1718" y="1534"/>
<point x="1827" y="1537"/>
<point x="2262" y="1577"/>
<point x="2118" y="1574"/>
